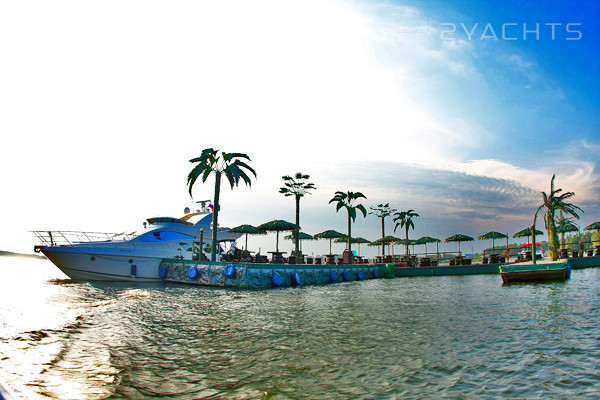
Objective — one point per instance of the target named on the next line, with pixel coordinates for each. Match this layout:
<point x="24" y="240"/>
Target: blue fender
<point x="295" y="278"/>
<point x="193" y="273"/>
<point x="230" y="271"/>
<point x="345" y="275"/>
<point x="359" y="276"/>
<point x="332" y="276"/>
<point x="276" y="279"/>
<point x="162" y="272"/>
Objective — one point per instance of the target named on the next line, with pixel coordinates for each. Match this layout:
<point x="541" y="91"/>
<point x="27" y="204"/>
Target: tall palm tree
<point x="347" y="201"/>
<point x="298" y="187"/>
<point x="228" y="164"/>
<point x="555" y="201"/>
<point x="404" y="219"/>
<point x="382" y="211"/>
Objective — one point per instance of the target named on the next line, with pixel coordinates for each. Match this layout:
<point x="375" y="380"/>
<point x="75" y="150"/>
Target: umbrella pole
<point x="246" y="248"/>
<point x="277" y="242"/>
<point x="437" y="251"/>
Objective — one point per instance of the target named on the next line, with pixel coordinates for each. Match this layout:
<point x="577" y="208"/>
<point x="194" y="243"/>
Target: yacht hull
<point x="82" y="265"/>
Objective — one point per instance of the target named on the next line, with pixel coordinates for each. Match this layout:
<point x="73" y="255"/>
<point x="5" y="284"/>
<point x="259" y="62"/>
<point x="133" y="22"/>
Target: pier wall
<point x="265" y="275"/>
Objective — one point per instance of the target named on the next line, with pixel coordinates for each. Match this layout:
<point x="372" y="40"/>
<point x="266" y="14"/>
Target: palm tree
<point x="405" y="219"/>
<point x="555" y="201"/>
<point x="382" y="211"/>
<point x="346" y="200"/>
<point x="228" y="164"/>
<point x="297" y="187"/>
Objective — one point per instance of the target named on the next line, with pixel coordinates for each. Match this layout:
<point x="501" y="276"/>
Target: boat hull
<point x="534" y="276"/>
<point x="82" y="265"/>
<point x="534" y="272"/>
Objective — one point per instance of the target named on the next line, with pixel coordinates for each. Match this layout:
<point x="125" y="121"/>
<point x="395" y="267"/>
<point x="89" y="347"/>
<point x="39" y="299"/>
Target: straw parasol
<point x="459" y="237"/>
<point x="301" y="236"/>
<point x="357" y="240"/>
<point x="527" y="233"/>
<point x="427" y="239"/>
<point x="330" y="234"/>
<point x="278" y="225"/>
<point x="493" y="235"/>
<point x="247" y="229"/>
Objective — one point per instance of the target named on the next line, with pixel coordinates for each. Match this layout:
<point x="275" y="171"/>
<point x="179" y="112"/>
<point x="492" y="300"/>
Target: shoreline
<point x="4" y="253"/>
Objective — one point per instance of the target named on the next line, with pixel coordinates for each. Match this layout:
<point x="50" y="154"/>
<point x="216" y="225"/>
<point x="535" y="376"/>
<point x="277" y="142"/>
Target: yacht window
<point x="158" y="236"/>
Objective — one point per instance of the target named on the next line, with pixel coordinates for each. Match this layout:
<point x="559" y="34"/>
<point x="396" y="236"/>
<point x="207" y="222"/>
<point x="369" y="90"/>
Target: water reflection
<point x="412" y="338"/>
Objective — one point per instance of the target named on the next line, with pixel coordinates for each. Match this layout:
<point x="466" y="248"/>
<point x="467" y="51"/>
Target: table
<point x="277" y="257"/>
<point x="331" y="258"/>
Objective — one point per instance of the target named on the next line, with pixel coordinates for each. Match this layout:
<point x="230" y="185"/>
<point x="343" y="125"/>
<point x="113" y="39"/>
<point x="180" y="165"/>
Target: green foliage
<point x="553" y="202"/>
<point x="348" y="201"/>
<point x="228" y="164"/>
<point x="298" y="187"/>
<point x="405" y="219"/>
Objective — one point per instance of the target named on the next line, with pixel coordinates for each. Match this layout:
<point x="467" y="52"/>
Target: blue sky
<point x="423" y="105"/>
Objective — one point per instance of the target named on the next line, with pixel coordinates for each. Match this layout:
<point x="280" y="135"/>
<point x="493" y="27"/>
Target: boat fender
<point x="375" y="273"/>
<point x="332" y="276"/>
<point x="568" y="276"/>
<point x="230" y="271"/>
<point x="296" y="278"/>
<point x="359" y="275"/>
<point x="193" y="273"/>
<point x="162" y="272"/>
<point x="133" y="270"/>
<point x="345" y="275"/>
<point x="276" y="279"/>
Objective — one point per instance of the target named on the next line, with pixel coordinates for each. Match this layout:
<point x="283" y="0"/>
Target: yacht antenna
<point x="203" y="205"/>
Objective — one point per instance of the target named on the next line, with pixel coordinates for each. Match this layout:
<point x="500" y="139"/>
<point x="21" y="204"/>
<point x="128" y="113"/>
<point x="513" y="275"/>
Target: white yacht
<point x="130" y="257"/>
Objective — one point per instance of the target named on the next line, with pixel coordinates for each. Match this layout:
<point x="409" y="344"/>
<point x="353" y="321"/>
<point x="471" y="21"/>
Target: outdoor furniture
<point x="425" y="262"/>
<point x="484" y="260"/>
<point x="310" y="260"/>
<point x="318" y="260"/>
<point x="277" y="257"/>
<point x="331" y="259"/>
<point x="451" y="262"/>
<point x="494" y="258"/>
<point x="467" y="261"/>
<point x="575" y="253"/>
<point x="434" y="263"/>
<point x="260" y="259"/>
<point x="590" y="253"/>
<point x="563" y="253"/>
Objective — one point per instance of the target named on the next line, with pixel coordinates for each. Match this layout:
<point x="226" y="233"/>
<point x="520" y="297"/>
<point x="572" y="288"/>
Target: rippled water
<point x="431" y="337"/>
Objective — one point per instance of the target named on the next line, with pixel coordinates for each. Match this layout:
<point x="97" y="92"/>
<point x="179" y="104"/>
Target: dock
<point x="253" y="275"/>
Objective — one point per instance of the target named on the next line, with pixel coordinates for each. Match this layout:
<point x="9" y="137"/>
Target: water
<point x="430" y="337"/>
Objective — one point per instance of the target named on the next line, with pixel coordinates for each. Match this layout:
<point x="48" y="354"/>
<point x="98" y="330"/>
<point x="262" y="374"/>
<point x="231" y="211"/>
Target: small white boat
<point x="130" y="257"/>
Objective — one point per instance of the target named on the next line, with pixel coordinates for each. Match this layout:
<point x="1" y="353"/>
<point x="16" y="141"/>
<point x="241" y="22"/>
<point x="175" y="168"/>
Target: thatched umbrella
<point x="459" y="237"/>
<point x="278" y="225"/>
<point x="527" y="232"/>
<point x="386" y="240"/>
<point x="330" y="234"/>
<point x="357" y="240"/>
<point x="247" y="229"/>
<point x="565" y="226"/>
<point x="493" y="235"/>
<point x="594" y="227"/>
<point x="427" y="239"/>
<point x="301" y="236"/>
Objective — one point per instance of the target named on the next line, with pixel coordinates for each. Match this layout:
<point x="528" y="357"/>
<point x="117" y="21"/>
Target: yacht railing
<point x="65" y="238"/>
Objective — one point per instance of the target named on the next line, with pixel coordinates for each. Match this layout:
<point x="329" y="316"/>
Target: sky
<point x="459" y="110"/>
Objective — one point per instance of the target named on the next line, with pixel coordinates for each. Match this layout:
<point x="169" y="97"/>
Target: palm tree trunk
<point x="382" y="236"/>
<point x="350" y="235"/>
<point x="213" y="251"/>
<point x="552" y="237"/>
<point x="297" y="231"/>
<point x="406" y="244"/>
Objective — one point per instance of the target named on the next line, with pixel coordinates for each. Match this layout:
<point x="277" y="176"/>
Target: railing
<point x="65" y="238"/>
